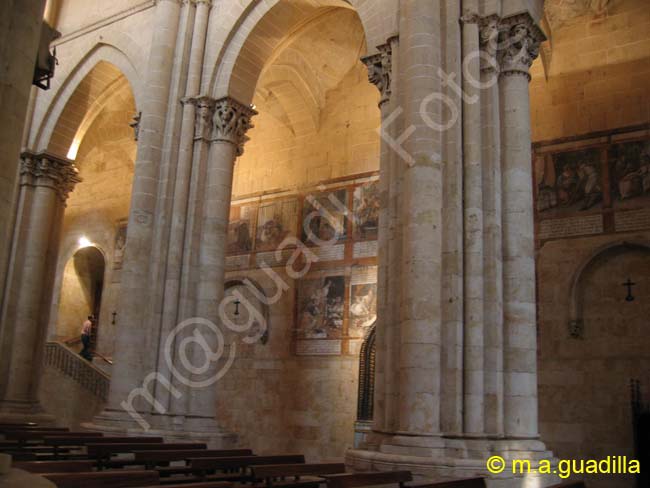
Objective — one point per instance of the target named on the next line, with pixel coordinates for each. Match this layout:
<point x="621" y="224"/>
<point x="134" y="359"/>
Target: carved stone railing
<point x="74" y="366"/>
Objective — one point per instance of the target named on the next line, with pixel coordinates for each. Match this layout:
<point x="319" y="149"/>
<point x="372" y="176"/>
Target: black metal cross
<point x="113" y="314"/>
<point x="629" y="284"/>
<point x="237" y="303"/>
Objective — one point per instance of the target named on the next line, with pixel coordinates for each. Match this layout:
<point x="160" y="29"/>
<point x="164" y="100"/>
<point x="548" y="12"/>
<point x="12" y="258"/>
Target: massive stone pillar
<point x="45" y="182"/>
<point x="135" y="350"/>
<point x="421" y="213"/>
<point x="19" y="39"/>
<point x="196" y="121"/>
<point x="493" y="411"/>
<point x="519" y="42"/>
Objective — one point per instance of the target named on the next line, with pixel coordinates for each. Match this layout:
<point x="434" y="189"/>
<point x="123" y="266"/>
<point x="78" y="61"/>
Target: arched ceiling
<point x="294" y="83"/>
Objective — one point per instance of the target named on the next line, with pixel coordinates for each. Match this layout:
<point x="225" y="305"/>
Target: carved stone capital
<point x="49" y="171"/>
<point x="489" y="42"/>
<point x="231" y="122"/>
<point x="519" y="43"/>
<point x="380" y="70"/>
<point x="207" y="3"/>
<point x="204" y="110"/>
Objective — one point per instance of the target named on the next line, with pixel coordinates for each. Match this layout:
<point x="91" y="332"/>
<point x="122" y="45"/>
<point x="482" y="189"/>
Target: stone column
<point x="231" y="122"/>
<point x="421" y="213"/>
<point x="519" y="42"/>
<point x="473" y="303"/>
<point x="45" y="182"/>
<point x="492" y="247"/>
<point x="135" y="356"/>
<point x="380" y="74"/>
<point x="19" y="41"/>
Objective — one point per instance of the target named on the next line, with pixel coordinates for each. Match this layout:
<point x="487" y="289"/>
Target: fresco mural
<point x="321" y="303"/>
<point x="240" y="229"/>
<point x="570" y="181"/>
<point x="324" y="218"/>
<point x="366" y="211"/>
<point x="275" y="221"/>
<point x="629" y="169"/>
<point x="363" y="309"/>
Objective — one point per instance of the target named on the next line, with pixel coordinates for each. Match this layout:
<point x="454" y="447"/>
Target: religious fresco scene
<point x="321" y="304"/>
<point x="324" y="218"/>
<point x="275" y="222"/>
<point x="571" y="182"/>
<point x="363" y="308"/>
<point x="238" y="227"/>
<point x="629" y="167"/>
<point x="366" y="211"/>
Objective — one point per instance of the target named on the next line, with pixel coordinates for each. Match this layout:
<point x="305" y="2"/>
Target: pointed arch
<point x="105" y="60"/>
<point x="261" y="29"/>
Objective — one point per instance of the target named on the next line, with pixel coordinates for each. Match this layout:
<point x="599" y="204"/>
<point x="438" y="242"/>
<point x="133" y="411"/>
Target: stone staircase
<point x="89" y="376"/>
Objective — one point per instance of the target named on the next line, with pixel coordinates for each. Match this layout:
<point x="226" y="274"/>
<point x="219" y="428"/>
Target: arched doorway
<point x="81" y="292"/>
<point x="366" y="395"/>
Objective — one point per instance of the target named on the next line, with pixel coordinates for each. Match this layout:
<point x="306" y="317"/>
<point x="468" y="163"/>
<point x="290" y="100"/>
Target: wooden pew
<point x="238" y="465"/>
<point x="464" y="483"/>
<point x="60" y="443"/>
<point x="30" y="435"/>
<point x="353" y="480"/>
<point x="105" y="479"/>
<point x="153" y="459"/>
<point x="270" y="473"/>
<point x="570" y="484"/>
<point x="56" y="466"/>
<point x="18" y="424"/>
<point x="200" y="484"/>
<point x="103" y="452"/>
<point x="33" y="429"/>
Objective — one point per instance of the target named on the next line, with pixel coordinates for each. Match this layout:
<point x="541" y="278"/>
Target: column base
<point x="441" y="458"/>
<point x="18" y="412"/>
<point x="172" y="428"/>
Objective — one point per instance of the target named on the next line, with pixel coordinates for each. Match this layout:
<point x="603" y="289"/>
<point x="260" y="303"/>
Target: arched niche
<point x="576" y="325"/>
<point x="82" y="285"/>
<point x="246" y="305"/>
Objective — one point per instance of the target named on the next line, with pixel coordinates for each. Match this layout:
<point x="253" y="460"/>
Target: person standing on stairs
<point x="86" y="331"/>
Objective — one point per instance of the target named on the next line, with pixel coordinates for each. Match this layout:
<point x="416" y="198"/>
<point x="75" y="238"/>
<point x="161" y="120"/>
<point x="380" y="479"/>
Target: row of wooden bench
<point x="90" y="460"/>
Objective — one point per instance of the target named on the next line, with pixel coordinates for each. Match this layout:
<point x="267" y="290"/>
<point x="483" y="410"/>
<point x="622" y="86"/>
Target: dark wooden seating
<point x="353" y="480"/>
<point x="464" y="483"/>
<point x="59" y="444"/>
<point x="30" y="428"/>
<point x="105" y="479"/>
<point x="238" y="465"/>
<point x="62" y="441"/>
<point x="201" y="484"/>
<point x="570" y="484"/>
<point x="17" y="424"/>
<point x="33" y="435"/>
<point x="302" y="474"/>
<point x="103" y="452"/>
<point x="76" y="466"/>
<point x="153" y="459"/>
